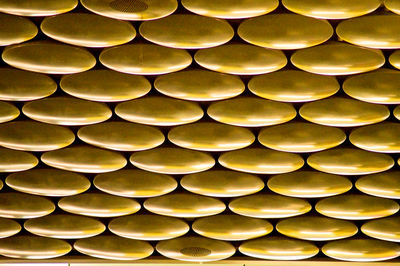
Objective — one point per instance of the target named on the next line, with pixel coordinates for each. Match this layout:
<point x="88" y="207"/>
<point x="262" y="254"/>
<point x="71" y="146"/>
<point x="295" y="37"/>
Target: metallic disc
<point x="24" y="206"/>
<point x="33" y="247"/>
<point x="209" y="136"/>
<point x="394" y="59"/>
<point x="285" y="31"/>
<point x="396" y="112"/>
<point x="173" y="31"/>
<point x="228" y="9"/>
<point x="316" y="228"/>
<point x="332" y="9"/>
<point x="48" y="57"/>
<point x="98" y="205"/>
<point x="15" y="29"/>
<point x="251" y="112"/>
<point x="385" y="185"/>
<point x="356" y="207"/>
<point x="199" y="85"/>
<point x="88" y="30"/>
<point x="269" y="206"/>
<point x="195" y="249"/>
<point x="349" y="161"/>
<point x="293" y="86"/>
<point x="148" y="227"/>
<point x="15" y="161"/>
<point x="48" y="182"/>
<point x="337" y="59"/>
<point x="361" y="250"/>
<point x="385" y="229"/>
<point x="301" y="137"/>
<point x="184" y="205"/>
<point x="392" y="5"/>
<point x="343" y="112"/>
<point x="8" y="227"/>
<point x="94" y="85"/>
<point x="145" y="59"/>
<point x="131" y="10"/>
<point x="309" y="184"/>
<point x="64" y="226"/>
<point x="240" y="59"/>
<point x="278" y="248"/>
<point x="135" y="183"/>
<point x="261" y="161"/>
<point x="37" y="8"/>
<point x="85" y="159"/>
<point x="159" y="111"/>
<point x="222" y="183"/>
<point x="231" y="227"/>
<point x="114" y="248"/>
<point x="19" y="85"/>
<point x="8" y="112"/>
<point x="174" y="161"/>
<point x="121" y="136"/>
<point x="67" y="111"/>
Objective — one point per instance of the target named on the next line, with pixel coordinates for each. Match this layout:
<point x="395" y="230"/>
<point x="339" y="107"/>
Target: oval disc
<point x="385" y="229"/>
<point x="396" y="112"/>
<point x="385" y="185"/>
<point x="15" y="161"/>
<point x="15" y="29"/>
<point x="38" y="8"/>
<point x="8" y="227"/>
<point x="24" y="206"/>
<point x="8" y="112"/>
<point x="392" y="5"/>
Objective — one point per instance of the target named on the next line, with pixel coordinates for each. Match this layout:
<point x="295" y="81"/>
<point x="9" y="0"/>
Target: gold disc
<point x="195" y="249"/>
<point x="349" y="161"/>
<point x="64" y="226"/>
<point x="385" y="229"/>
<point x="278" y="248"/>
<point x="15" y="161"/>
<point x="135" y="183"/>
<point x="332" y="9"/>
<point x="309" y="184"/>
<point x="394" y="59"/>
<point x="343" y="112"/>
<point x="228" y="9"/>
<point x="148" y="227"/>
<point x="251" y="112"/>
<point x="174" y="161"/>
<point x="365" y="250"/>
<point x="240" y="59"/>
<point x="396" y="112"/>
<point x="199" y="85"/>
<point x="209" y="136"/>
<point x="159" y="111"/>
<point x="269" y="206"/>
<point x="8" y="227"/>
<point x="24" y="206"/>
<point x="184" y="205"/>
<point x="356" y="207"/>
<point x="94" y="85"/>
<point x="33" y="247"/>
<point x="88" y="30"/>
<point x="231" y="227"/>
<point x="37" y="8"/>
<point x="392" y="5"/>
<point x="19" y="85"/>
<point x="301" y="137"/>
<point x="98" y="205"/>
<point x="316" y="228"/>
<point x="85" y="159"/>
<point x="8" y="112"/>
<point x="173" y="31"/>
<point x="114" y="248"/>
<point x="15" y="29"/>
<point x="145" y="59"/>
<point x="285" y="31"/>
<point x="386" y="184"/>
<point x="131" y="10"/>
<point x="337" y="59"/>
<point x="67" y="111"/>
<point x="261" y="161"/>
<point x="293" y="86"/>
<point x="222" y="183"/>
<point x="48" y="57"/>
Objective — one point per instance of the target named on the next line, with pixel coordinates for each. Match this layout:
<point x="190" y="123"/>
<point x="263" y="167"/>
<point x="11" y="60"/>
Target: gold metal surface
<point x="8" y="112"/>
<point x="184" y="205"/>
<point x="240" y="59"/>
<point x="15" y="29"/>
<point x="392" y="5"/>
<point x="396" y="112"/>
<point x="309" y="184"/>
<point x="301" y="137"/>
<point x="356" y="207"/>
<point x="172" y="31"/>
<point x="394" y="59"/>
<point x="231" y="227"/>
<point x="148" y="227"/>
<point x="385" y="229"/>
<point x="37" y="8"/>
<point x="386" y="184"/>
<point x="15" y="161"/>
<point x="8" y="227"/>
